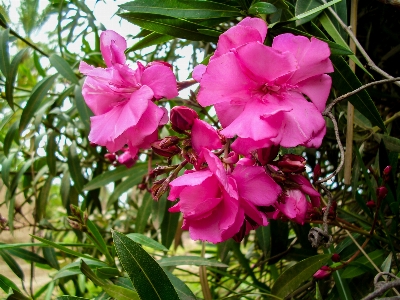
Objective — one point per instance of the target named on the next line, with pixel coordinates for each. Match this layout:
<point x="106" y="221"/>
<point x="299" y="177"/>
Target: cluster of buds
<point x="382" y="191"/>
<point x="78" y="219"/>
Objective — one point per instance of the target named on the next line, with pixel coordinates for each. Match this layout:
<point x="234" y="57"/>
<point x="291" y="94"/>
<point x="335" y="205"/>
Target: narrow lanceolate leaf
<point x="147" y="276"/>
<point x="12" y="264"/>
<point x="179" y="28"/>
<point x="4" y="54"/>
<point x="11" y="76"/>
<point x="144" y="213"/>
<point x="120" y="293"/>
<point x="313" y="11"/>
<point x="41" y="202"/>
<point x="153" y="38"/>
<point x="39" y="92"/>
<point x="6" y="283"/>
<point x="84" y="111"/>
<point x="169" y="226"/>
<point x="303" y="6"/>
<point x="262" y="8"/>
<point x="182" y="9"/>
<point x="75" y="168"/>
<point x="26" y="255"/>
<point x="63" y="68"/>
<point x="346" y="81"/>
<point x="51" y="149"/>
<point x="98" y="240"/>
<point x="146" y="241"/>
<point x="292" y="277"/>
<point x="181" y="288"/>
<point x="112" y="176"/>
<point x="189" y="260"/>
<point x="10" y="137"/>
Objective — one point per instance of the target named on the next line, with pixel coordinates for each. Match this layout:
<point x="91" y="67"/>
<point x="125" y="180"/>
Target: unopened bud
<point x="291" y="163"/>
<point x="371" y="204"/>
<point x="93" y="144"/>
<point x="232" y="158"/>
<point x="387" y="170"/>
<point x="335" y="257"/>
<point x="267" y="155"/>
<point x="111" y="157"/>
<point x="74" y="224"/>
<point x="182" y="118"/>
<point x="158" y="188"/>
<point x="322" y="273"/>
<point x="317" y="172"/>
<point x="166" y="151"/>
<point x="168" y="142"/>
<point x="127" y="159"/>
<point x="381" y="192"/>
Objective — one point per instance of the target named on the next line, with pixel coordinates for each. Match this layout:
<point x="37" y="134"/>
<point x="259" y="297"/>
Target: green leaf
<point x="4" y="54"/>
<point x="337" y="37"/>
<point x="50" y="255"/>
<point x="5" y="169"/>
<point x="12" y="264"/>
<point x="153" y="38"/>
<point x="362" y="265"/>
<point x="143" y="213"/>
<point x="134" y="179"/>
<point x="11" y="76"/>
<point x="6" y="284"/>
<point x="182" y="9"/>
<point x="87" y="271"/>
<point x="41" y="202"/>
<point x="179" y="28"/>
<point x="181" y="288"/>
<point x="147" y="276"/>
<point x="38" y="66"/>
<point x="10" y="136"/>
<point x="63" y="68"/>
<point x="51" y="149"/>
<point x="391" y="143"/>
<point x="68" y="297"/>
<point x="312" y="11"/>
<point x="65" y="188"/>
<point x="293" y="276"/>
<point x="303" y="6"/>
<point x="189" y="260"/>
<point x="98" y="240"/>
<point x="34" y="101"/>
<point x="342" y="286"/>
<point x="146" y="241"/>
<point x="26" y="255"/>
<point x="346" y="81"/>
<point x="74" y="166"/>
<point x="84" y="111"/>
<point x="65" y="249"/>
<point x="113" y="176"/>
<point x="120" y="293"/>
<point x="262" y="8"/>
<point x="169" y="226"/>
<point x="75" y="268"/>
<point x="107" y="272"/>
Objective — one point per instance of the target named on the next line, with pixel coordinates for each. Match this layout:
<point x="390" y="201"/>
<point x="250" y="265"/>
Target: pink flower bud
<point x="322" y="273"/>
<point x="386" y="171"/>
<point x="335" y="257"/>
<point x="317" y="172"/>
<point x="182" y="118"/>
<point x="381" y="192"/>
<point x="371" y="204"/>
<point x="232" y="158"/>
<point x="168" y="141"/>
<point x="291" y="163"/>
<point x="111" y="157"/>
<point x="166" y="151"/>
<point x="127" y="159"/>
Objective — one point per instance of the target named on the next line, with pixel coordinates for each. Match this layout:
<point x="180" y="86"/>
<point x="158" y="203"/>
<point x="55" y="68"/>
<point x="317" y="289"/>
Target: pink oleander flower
<point x="265" y="87"/>
<point x="121" y="98"/>
<point x="215" y="203"/>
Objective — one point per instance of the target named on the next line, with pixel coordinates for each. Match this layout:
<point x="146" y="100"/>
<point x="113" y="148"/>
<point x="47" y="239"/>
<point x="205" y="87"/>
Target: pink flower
<point x="121" y="98"/>
<point x="215" y="204"/>
<point x="265" y="87"/>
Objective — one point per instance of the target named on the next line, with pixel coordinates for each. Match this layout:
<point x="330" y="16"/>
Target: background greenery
<point x="70" y="197"/>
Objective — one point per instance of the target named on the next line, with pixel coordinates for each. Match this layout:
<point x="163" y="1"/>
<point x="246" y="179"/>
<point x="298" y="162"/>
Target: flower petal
<point x="112" y="47"/>
<point x="317" y="88"/>
<point x="204" y="135"/>
<point x="161" y="80"/>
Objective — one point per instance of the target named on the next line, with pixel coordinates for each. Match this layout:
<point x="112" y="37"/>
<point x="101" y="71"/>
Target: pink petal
<point x="112" y="47"/>
<point x="317" y="88"/>
<point x="312" y="56"/>
<point x="204" y="135"/>
<point x="305" y="185"/>
<point x="198" y="72"/>
<point x="265" y="64"/>
<point x="227" y="112"/>
<point x="255" y="186"/>
<point x="188" y="179"/>
<point x="161" y="80"/>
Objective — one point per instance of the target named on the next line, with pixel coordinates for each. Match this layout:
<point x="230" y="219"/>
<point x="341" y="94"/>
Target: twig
<point x="382" y="287"/>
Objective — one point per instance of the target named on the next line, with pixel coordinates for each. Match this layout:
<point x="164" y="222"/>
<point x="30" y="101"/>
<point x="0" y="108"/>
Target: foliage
<point x="95" y="227"/>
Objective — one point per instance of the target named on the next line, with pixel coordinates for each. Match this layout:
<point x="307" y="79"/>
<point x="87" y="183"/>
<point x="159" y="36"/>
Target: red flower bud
<point x="93" y="144"/>
<point x="371" y="204"/>
<point x="381" y="192"/>
<point x="386" y="171"/>
<point x="267" y="155"/>
<point x="166" y="151"/>
<point x="182" y="118"/>
<point x="291" y="163"/>
<point x="168" y="141"/>
<point x="111" y="157"/>
<point x="335" y="257"/>
<point x="317" y="172"/>
<point x="322" y="273"/>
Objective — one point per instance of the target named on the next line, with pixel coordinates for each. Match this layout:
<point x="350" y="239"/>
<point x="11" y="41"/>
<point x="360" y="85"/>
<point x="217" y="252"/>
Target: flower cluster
<point x="265" y="97"/>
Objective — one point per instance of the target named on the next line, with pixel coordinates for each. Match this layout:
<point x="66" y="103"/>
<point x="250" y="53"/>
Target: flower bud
<point x="111" y="157"/>
<point x="127" y="159"/>
<point x="371" y="204"/>
<point x="232" y="158"/>
<point x="267" y="155"/>
<point x="317" y="172"/>
<point x="182" y="118"/>
<point x="386" y="170"/>
<point x="322" y="273"/>
<point x="158" y="188"/>
<point x="93" y="144"/>
<point x="168" y="151"/>
<point x="169" y="141"/>
<point x="291" y="163"/>
<point x="381" y="192"/>
<point x="335" y="257"/>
